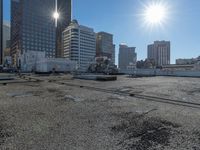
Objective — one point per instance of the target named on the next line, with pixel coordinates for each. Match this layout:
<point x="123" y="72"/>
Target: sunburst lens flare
<point x="155" y="14"/>
<point x="56" y="15"/>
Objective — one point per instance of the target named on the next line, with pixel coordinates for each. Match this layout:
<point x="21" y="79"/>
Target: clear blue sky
<point x="120" y="17"/>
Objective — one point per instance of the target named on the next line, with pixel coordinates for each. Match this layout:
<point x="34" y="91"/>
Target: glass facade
<point x="105" y="46"/>
<point x="64" y="9"/>
<point x="33" y="26"/>
<point x="38" y="29"/>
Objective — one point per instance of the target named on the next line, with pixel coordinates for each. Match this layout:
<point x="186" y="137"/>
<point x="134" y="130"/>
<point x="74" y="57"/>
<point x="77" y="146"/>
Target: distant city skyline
<point x="122" y="19"/>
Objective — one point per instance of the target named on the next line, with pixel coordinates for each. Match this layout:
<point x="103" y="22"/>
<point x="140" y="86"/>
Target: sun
<point x="155" y="14"/>
<point x="56" y="15"/>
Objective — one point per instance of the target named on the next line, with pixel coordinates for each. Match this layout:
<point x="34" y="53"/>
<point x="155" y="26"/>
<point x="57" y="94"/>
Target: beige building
<point x="160" y="52"/>
<point x="79" y="45"/>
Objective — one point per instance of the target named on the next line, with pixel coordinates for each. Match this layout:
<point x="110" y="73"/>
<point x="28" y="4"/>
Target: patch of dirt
<point x="193" y="91"/>
<point x="4" y="130"/>
<point x="142" y="133"/>
<point x="25" y="94"/>
<point x="56" y="92"/>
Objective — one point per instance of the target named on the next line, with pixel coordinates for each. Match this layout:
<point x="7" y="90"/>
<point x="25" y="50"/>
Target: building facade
<point x="6" y="38"/>
<point x="64" y="10"/>
<point x="35" y="61"/>
<point x="105" y="46"/>
<point x="79" y="44"/>
<point x="1" y="31"/>
<point x="186" y="61"/>
<point x="127" y="57"/>
<point x="160" y="52"/>
<point x="33" y="26"/>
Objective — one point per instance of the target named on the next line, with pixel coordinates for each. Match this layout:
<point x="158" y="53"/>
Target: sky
<point x="123" y="19"/>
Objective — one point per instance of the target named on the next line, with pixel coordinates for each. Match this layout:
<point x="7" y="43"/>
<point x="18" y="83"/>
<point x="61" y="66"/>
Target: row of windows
<point x="38" y="49"/>
<point x="39" y="36"/>
<point x="39" y="43"/>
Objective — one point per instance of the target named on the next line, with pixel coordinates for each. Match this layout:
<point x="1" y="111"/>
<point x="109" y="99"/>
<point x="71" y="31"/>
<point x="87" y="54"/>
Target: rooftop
<point x="59" y="112"/>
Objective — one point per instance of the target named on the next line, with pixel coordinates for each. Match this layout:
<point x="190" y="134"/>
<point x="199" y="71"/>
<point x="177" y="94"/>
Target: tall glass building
<point x="105" y="46"/>
<point x="1" y="31"/>
<point x="64" y="10"/>
<point x="33" y="26"/>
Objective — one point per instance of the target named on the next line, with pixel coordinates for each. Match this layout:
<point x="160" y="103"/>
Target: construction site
<point x="63" y="112"/>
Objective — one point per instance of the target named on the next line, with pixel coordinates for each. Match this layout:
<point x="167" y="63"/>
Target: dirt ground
<point x="51" y="116"/>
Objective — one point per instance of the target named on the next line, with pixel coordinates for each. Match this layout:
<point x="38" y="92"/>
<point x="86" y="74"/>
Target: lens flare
<point x="56" y="15"/>
<point x="155" y="14"/>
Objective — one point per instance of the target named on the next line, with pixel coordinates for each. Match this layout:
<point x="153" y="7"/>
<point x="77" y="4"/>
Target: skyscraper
<point x="105" y="46"/>
<point x="64" y="10"/>
<point x="127" y="56"/>
<point x="160" y="52"/>
<point x="79" y="44"/>
<point x="33" y="26"/>
<point x="1" y="31"/>
<point x="6" y="35"/>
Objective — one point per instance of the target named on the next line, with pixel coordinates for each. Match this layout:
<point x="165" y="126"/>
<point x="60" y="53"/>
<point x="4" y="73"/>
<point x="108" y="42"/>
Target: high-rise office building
<point x="105" y="46"/>
<point x="1" y="31"/>
<point x="6" y="35"/>
<point x="160" y="52"/>
<point x="127" y="56"/>
<point x="79" y="44"/>
<point x="33" y="26"/>
<point x="64" y="10"/>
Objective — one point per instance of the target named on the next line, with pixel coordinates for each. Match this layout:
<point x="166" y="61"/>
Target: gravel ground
<point x="48" y="116"/>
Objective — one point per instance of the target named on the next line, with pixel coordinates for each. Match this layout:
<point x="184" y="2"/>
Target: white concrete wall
<point x="158" y="72"/>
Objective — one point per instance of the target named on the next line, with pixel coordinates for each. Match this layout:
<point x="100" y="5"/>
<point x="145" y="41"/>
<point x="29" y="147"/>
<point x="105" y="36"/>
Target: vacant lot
<point x="65" y="114"/>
